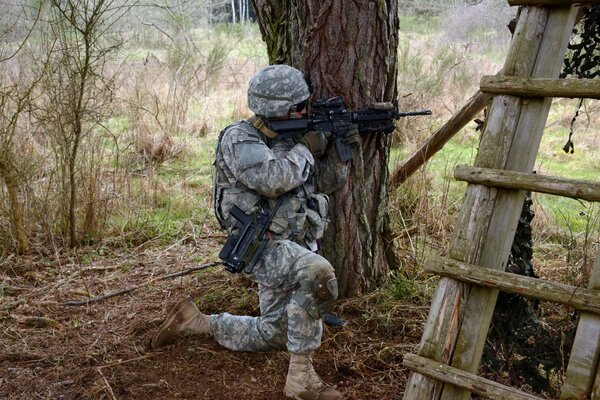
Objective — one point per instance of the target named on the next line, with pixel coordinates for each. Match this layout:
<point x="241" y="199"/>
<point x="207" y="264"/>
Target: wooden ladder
<point x="452" y="344"/>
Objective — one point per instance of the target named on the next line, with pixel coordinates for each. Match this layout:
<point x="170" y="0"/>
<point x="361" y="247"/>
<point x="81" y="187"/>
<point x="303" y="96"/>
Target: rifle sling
<point x="259" y="124"/>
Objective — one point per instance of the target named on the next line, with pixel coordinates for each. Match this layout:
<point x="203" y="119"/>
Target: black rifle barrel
<point x="411" y="113"/>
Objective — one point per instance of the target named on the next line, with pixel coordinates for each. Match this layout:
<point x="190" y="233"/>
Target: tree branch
<point x="132" y="288"/>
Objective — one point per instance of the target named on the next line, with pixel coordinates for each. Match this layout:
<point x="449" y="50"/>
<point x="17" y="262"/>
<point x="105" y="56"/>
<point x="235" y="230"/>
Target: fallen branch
<point x="132" y="288"/>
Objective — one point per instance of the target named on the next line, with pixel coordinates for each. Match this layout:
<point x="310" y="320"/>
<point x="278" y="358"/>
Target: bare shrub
<point x="164" y="94"/>
<point x="73" y="102"/>
<point x="240" y="108"/>
<point x="19" y="160"/>
<point x="155" y="148"/>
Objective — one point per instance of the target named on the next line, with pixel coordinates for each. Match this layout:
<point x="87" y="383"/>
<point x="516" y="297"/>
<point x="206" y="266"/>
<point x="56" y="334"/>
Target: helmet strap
<point x="259" y="124"/>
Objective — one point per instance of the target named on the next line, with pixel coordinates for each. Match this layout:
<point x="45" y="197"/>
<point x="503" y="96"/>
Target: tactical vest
<point x="302" y="216"/>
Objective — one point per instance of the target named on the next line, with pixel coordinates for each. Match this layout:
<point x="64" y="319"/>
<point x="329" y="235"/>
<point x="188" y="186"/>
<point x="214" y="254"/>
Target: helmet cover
<point x="273" y="90"/>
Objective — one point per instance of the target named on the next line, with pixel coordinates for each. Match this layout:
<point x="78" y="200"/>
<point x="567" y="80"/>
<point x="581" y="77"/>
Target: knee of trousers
<point x="317" y="287"/>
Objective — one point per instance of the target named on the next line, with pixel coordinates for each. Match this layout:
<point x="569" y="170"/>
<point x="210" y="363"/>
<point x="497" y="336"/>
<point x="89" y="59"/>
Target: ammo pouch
<point x="316" y="213"/>
<point x="301" y="217"/>
<point x="290" y="220"/>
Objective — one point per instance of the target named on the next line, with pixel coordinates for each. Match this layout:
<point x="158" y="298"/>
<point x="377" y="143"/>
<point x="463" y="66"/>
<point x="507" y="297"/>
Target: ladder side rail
<point x="473" y="241"/>
<point x="495" y="249"/>
<point x="441" y="328"/>
<point x="585" y="353"/>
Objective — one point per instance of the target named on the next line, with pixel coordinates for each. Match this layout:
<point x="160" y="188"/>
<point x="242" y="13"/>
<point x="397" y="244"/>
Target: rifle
<point x="332" y="116"/>
<point x="243" y="249"/>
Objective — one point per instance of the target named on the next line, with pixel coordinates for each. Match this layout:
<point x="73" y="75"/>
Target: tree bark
<point x="346" y="49"/>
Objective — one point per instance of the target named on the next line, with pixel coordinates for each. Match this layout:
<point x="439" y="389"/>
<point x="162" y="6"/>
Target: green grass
<point x="568" y="215"/>
<point x="418" y="24"/>
<point x="139" y="54"/>
<point x="244" y="41"/>
<point x="461" y="149"/>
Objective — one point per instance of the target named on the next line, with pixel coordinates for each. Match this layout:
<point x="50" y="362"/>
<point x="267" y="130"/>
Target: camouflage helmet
<point x="273" y="90"/>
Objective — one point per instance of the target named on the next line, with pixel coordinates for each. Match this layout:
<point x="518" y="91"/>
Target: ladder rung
<point x="578" y="189"/>
<point x="465" y="380"/>
<point x="550" y="3"/>
<point x="576" y="297"/>
<point x="541" y="87"/>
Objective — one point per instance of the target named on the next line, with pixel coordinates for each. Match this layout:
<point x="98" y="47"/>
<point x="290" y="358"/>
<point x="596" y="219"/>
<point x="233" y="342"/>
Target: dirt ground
<point x="99" y="351"/>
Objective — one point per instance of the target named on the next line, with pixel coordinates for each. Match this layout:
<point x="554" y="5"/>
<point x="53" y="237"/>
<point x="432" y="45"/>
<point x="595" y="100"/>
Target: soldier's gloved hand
<point x="352" y="136"/>
<point x="316" y="142"/>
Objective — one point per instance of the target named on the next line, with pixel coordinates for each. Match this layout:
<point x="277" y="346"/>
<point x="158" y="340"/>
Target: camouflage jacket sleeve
<point x="331" y="172"/>
<point x="261" y="169"/>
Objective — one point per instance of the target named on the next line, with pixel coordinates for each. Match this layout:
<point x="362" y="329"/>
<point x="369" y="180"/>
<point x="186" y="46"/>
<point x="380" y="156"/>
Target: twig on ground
<point x="130" y="360"/>
<point x="214" y="236"/>
<point x="132" y="288"/>
<point x="108" y="388"/>
<point x="107" y="268"/>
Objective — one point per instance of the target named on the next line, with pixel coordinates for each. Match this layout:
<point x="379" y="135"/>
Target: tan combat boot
<point x="303" y="383"/>
<point x="185" y="319"/>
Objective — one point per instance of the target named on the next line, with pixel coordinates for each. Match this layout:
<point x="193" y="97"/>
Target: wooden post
<point x="572" y="296"/>
<point x="583" y="361"/>
<point x="460" y="315"/>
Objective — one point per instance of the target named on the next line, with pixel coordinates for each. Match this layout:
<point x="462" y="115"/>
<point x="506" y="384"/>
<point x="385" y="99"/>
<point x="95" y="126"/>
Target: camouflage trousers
<point x="289" y="316"/>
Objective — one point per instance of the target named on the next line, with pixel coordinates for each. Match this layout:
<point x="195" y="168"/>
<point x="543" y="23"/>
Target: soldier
<point x="296" y="285"/>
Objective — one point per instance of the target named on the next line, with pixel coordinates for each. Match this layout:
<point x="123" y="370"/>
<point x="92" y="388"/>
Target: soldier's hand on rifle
<point x="352" y="136"/>
<point x="316" y="142"/>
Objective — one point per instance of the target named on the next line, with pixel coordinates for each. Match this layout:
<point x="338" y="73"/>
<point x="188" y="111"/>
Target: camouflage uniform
<point x="256" y="170"/>
<point x="296" y="286"/>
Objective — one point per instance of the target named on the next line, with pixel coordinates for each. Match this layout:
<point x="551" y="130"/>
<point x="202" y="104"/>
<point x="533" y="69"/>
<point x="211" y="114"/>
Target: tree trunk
<point x="323" y="39"/>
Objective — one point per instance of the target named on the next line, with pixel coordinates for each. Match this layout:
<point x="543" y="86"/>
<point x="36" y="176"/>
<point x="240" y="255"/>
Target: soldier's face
<point x="298" y="110"/>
